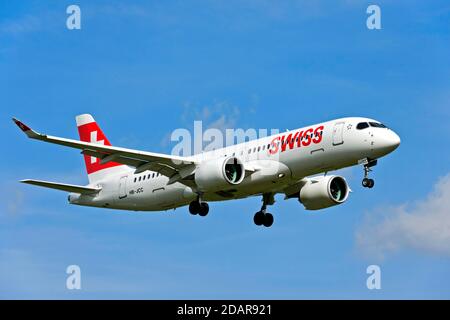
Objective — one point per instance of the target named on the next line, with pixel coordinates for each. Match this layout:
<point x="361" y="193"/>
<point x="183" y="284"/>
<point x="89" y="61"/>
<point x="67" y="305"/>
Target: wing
<point x="62" y="186"/>
<point x="175" y="167"/>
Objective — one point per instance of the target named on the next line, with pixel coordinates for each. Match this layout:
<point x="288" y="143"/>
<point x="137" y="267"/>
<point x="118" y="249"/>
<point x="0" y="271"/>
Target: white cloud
<point x="12" y="199"/>
<point x="21" y="25"/>
<point x="423" y="225"/>
<point x="220" y="115"/>
<point x="15" y="201"/>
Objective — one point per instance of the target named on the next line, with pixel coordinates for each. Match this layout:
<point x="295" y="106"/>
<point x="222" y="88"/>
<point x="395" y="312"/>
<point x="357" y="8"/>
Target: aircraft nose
<point x="389" y="141"/>
<point x="395" y="140"/>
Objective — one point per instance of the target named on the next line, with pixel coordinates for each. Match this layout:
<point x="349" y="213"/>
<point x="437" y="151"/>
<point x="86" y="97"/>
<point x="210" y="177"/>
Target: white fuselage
<point x="275" y="166"/>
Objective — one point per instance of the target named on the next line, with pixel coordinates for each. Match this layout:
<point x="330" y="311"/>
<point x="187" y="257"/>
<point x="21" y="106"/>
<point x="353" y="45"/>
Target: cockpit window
<point x="377" y="125"/>
<point x="362" y="125"/>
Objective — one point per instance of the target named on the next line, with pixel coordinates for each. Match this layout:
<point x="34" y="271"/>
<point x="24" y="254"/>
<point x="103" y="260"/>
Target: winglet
<point x="26" y="129"/>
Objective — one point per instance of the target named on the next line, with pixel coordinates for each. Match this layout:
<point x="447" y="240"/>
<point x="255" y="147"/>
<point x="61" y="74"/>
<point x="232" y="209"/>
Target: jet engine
<point x="217" y="174"/>
<point x="323" y="192"/>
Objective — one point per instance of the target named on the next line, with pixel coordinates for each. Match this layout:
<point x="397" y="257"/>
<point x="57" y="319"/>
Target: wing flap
<point x="62" y="186"/>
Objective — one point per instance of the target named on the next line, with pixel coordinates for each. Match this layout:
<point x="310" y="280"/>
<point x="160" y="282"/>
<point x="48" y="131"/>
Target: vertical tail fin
<point x="89" y="131"/>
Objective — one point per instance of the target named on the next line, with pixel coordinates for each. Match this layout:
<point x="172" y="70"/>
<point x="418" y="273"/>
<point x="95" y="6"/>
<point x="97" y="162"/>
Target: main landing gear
<point x="263" y="218"/>
<point x="199" y="207"/>
<point x="366" y="182"/>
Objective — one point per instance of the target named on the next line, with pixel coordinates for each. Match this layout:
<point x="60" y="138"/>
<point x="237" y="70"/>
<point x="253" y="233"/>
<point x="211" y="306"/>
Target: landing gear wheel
<point x="203" y="209"/>
<point x="200" y="208"/>
<point x="268" y="220"/>
<point x="365" y="182"/>
<point x="194" y="207"/>
<point x="258" y="219"/>
<point x="368" y="183"/>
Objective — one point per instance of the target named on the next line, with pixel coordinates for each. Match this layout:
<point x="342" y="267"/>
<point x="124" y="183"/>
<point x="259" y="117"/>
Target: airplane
<point x="294" y="163"/>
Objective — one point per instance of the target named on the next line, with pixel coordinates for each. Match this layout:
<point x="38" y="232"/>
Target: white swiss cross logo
<point x="94" y="140"/>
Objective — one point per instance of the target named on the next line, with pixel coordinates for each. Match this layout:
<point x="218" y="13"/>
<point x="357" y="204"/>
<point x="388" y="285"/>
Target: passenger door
<point x="338" y="133"/>
<point x="123" y="187"/>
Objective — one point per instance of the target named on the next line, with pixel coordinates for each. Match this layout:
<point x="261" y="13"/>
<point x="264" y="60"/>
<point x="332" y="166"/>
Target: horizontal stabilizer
<point x="62" y="186"/>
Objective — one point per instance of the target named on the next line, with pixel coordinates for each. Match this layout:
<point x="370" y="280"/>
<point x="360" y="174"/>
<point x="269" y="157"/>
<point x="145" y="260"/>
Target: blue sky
<point x="144" y="69"/>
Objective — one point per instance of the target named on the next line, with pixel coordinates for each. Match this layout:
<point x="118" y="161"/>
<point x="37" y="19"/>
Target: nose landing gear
<point x="366" y="182"/>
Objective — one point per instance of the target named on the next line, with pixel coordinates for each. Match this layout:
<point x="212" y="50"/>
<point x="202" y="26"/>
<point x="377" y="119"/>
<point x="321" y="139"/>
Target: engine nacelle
<point x="220" y="173"/>
<point x="323" y="192"/>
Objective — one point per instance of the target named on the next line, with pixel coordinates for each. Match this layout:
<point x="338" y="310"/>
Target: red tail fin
<point x="89" y="131"/>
